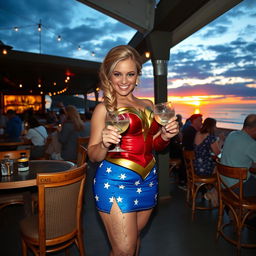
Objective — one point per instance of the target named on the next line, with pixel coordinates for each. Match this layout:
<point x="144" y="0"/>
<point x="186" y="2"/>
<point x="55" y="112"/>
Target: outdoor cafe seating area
<point x="178" y="226"/>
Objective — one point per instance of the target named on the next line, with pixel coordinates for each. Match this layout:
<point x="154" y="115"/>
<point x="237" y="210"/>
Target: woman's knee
<point x="125" y="250"/>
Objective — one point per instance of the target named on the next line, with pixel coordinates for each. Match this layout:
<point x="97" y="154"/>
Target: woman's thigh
<point x="123" y="228"/>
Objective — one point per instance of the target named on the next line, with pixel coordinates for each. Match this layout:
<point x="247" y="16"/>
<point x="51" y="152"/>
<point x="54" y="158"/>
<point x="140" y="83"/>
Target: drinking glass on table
<point x="121" y="123"/>
<point x="163" y="112"/>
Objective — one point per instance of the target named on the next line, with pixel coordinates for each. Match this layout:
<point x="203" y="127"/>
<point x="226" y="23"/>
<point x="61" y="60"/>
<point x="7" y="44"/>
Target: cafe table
<point x="27" y="179"/>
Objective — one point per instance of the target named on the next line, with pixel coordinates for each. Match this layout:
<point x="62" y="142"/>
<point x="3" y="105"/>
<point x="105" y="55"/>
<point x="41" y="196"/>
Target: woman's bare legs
<point x="123" y="230"/>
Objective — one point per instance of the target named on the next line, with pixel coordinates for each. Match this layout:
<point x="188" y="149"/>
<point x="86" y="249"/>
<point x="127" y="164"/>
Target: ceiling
<point x="30" y="69"/>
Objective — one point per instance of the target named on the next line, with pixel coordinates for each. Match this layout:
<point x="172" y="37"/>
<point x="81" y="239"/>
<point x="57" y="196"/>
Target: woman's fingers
<point x="110" y="136"/>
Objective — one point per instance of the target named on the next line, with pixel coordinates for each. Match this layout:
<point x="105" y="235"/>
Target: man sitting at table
<point x="239" y="150"/>
<point x="13" y="126"/>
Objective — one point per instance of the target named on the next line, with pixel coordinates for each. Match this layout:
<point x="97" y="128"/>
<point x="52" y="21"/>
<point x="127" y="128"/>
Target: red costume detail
<point x="137" y="140"/>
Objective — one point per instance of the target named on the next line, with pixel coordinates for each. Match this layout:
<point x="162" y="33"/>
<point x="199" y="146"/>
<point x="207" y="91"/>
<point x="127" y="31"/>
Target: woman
<point x="71" y="129"/>
<point x="125" y="184"/>
<point x="207" y="148"/>
<point x="37" y="135"/>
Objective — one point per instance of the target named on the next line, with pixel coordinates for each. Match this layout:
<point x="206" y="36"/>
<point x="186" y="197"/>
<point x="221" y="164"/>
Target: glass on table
<point x="163" y="112"/>
<point x="121" y="123"/>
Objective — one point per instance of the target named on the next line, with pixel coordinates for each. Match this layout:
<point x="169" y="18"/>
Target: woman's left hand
<point x="170" y="130"/>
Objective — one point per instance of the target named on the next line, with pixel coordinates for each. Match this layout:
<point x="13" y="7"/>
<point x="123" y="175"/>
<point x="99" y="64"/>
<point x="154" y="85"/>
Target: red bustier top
<point x="137" y="141"/>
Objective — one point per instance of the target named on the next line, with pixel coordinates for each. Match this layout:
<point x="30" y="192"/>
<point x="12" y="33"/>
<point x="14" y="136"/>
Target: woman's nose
<point x="124" y="79"/>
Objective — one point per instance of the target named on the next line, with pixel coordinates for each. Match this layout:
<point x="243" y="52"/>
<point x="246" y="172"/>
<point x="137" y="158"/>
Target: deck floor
<point x="170" y="232"/>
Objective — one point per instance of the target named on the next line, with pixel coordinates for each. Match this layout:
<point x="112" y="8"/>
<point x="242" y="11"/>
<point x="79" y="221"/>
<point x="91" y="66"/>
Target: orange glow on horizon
<point x="205" y="99"/>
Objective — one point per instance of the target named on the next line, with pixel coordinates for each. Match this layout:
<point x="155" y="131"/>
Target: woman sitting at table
<point x="71" y="129"/>
<point x="37" y="135"/>
<point x="206" y="146"/>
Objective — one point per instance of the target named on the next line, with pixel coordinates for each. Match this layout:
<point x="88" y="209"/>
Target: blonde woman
<point x="71" y="129"/>
<point x="125" y="184"/>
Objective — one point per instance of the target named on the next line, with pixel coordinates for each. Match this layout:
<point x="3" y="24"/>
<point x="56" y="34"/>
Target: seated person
<point x="239" y="150"/>
<point x="189" y="133"/>
<point x="206" y="145"/>
<point x="13" y="126"/>
<point x="71" y="129"/>
<point x="37" y="135"/>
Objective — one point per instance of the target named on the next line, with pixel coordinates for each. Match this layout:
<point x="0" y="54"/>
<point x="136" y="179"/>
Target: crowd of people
<point x="50" y="135"/>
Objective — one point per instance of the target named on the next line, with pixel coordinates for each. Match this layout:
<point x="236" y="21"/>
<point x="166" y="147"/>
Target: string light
<point x="147" y="54"/>
<point x="40" y="26"/>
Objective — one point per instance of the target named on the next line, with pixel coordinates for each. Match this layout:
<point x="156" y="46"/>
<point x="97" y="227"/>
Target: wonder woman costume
<point x="130" y="177"/>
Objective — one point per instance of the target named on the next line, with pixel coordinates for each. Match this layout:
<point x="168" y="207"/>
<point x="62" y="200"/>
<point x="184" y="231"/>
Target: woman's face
<point x="124" y="76"/>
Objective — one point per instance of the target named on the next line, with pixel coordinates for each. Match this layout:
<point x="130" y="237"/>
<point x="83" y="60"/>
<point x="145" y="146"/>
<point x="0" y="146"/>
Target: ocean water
<point x="227" y="115"/>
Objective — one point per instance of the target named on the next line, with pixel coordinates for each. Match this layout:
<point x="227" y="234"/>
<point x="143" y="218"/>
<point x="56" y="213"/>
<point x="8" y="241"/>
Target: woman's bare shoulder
<point x="147" y="103"/>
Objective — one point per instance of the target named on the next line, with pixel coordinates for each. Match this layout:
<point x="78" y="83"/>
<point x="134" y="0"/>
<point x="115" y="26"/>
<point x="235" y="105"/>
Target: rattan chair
<point x="58" y="223"/>
<point x="195" y="183"/>
<point x="81" y="155"/>
<point x="11" y="198"/>
<point x="239" y="206"/>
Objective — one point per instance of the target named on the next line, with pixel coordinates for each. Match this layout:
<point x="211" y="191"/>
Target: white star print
<point x="96" y="198"/>
<point x="155" y="196"/>
<point x="119" y="199"/>
<point x="137" y="183"/>
<point x="111" y="199"/>
<point x="154" y="171"/>
<point x="122" y="176"/>
<point x="136" y="202"/>
<point x="106" y="185"/>
<point x="151" y="184"/>
<point x="139" y="190"/>
<point x="94" y="180"/>
<point x="108" y="170"/>
<point x="121" y="186"/>
<point x="101" y="164"/>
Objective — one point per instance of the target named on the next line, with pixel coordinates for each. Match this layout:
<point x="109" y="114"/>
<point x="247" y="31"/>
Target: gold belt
<point x="142" y="171"/>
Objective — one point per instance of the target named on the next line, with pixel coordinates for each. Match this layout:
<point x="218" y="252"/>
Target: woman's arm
<point x="162" y="138"/>
<point x="101" y="137"/>
<point x="215" y="147"/>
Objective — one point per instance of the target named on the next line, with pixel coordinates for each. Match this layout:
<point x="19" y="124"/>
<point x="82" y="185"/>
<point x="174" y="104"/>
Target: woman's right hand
<point x="110" y="136"/>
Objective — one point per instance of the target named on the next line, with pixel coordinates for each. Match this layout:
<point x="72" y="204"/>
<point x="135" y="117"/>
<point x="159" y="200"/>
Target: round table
<point x="28" y="178"/>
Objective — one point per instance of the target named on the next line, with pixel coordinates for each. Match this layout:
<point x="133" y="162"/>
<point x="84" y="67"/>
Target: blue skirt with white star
<point x="126" y="187"/>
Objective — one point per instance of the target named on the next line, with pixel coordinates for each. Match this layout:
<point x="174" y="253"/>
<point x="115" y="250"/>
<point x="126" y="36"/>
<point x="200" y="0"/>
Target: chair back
<point x="15" y="154"/>
<point x="81" y="155"/>
<point x="60" y="197"/>
<point x="83" y="141"/>
<point x="189" y="157"/>
<point x="235" y="193"/>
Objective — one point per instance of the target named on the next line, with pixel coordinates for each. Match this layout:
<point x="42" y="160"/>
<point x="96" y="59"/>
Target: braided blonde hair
<point x="114" y="56"/>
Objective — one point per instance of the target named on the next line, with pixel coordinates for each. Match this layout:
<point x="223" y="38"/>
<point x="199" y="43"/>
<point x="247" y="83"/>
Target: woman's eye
<point x="131" y="74"/>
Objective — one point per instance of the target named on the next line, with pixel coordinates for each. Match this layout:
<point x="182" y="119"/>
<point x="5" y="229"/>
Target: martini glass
<point x="121" y="123"/>
<point x="163" y="112"/>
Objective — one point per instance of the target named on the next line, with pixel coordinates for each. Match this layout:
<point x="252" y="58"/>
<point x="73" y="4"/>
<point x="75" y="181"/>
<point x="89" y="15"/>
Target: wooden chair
<point x="195" y="182"/>
<point x="239" y="206"/>
<point x="58" y="223"/>
<point x="83" y="141"/>
<point x="11" y="198"/>
<point x="81" y="155"/>
<point x="174" y="163"/>
<point x="14" y="154"/>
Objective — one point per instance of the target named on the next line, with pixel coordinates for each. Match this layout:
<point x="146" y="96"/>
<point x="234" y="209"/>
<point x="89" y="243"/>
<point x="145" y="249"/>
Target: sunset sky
<point x="215" y="65"/>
